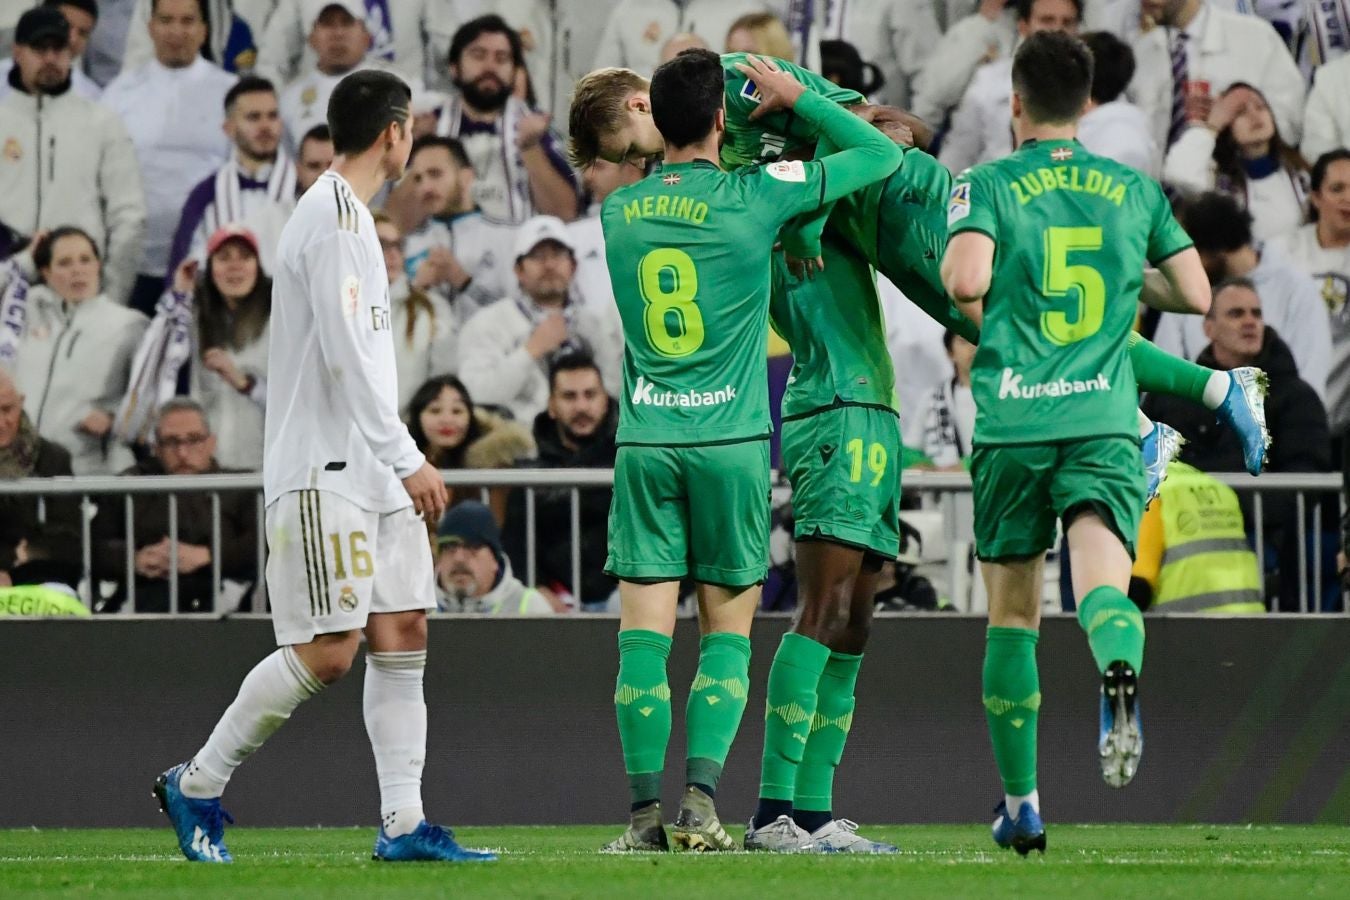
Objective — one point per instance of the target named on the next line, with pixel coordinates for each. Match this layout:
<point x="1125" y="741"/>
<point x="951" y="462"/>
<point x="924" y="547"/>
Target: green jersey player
<point x="1046" y="253"/>
<point x="689" y="251"/>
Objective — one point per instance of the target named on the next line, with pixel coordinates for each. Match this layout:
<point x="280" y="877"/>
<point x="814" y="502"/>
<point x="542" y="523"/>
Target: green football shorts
<point x="700" y="511"/>
<point x="1021" y="491"/>
<point x="844" y="465"/>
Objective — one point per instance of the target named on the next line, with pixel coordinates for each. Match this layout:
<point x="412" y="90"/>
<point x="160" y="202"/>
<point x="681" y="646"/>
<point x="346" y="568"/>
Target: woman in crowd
<point x="762" y="33"/>
<point x="422" y="322"/>
<point x="454" y="435"/>
<point x="75" y="355"/>
<point x="1322" y="249"/>
<point x="1239" y="151"/>
<point x="232" y="307"/>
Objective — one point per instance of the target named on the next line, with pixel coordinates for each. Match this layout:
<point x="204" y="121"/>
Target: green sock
<point x="788" y="710"/>
<point x="829" y="732"/>
<point x="1157" y="370"/>
<point x="716" y="703"/>
<point x="1114" y="627"/>
<point x="1012" y="700"/>
<point x="642" y="703"/>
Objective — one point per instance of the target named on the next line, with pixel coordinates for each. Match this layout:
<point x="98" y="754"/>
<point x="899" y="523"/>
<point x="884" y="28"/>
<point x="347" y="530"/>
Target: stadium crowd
<point x="151" y="150"/>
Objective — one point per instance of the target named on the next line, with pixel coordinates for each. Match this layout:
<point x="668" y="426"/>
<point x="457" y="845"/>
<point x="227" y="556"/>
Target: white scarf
<point x="519" y="205"/>
<point x="228" y="207"/>
<point x="13" y="311"/>
<point x="167" y="345"/>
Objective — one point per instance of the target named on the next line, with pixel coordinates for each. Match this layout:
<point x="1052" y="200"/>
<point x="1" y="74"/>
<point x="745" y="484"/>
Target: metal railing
<point x="944" y="485"/>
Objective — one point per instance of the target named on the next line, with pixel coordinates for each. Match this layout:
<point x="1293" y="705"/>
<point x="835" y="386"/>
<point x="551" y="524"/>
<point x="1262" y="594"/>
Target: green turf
<point x="1083" y="863"/>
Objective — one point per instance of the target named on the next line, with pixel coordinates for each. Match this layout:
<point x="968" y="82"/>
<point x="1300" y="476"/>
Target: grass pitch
<point x="1083" y="863"/>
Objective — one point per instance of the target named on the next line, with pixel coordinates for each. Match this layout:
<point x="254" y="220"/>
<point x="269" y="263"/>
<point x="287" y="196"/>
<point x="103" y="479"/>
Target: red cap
<point x="231" y="233"/>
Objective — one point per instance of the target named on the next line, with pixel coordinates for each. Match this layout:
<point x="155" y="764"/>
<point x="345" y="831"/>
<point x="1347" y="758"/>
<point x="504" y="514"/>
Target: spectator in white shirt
<point x="521" y="170"/>
<point x="1290" y="299"/>
<point x="560" y="43"/>
<point x="338" y="35"/>
<point x="948" y="418"/>
<point x="232" y="27"/>
<point x="422" y="324"/>
<point x="82" y="171"/>
<point x="592" y="285"/>
<point x="637" y="29"/>
<point x="983" y="36"/>
<point x="256" y="186"/>
<point x="1326" y="120"/>
<point x="981" y="127"/>
<point x="1238" y="151"/>
<point x="505" y="348"/>
<point x="1211" y="47"/>
<point x="1113" y="126"/>
<point x="454" y="250"/>
<point x="1322" y="249"/>
<point x="82" y="16"/>
<point x="313" y="158"/>
<point x="897" y="36"/>
<point x="171" y="106"/>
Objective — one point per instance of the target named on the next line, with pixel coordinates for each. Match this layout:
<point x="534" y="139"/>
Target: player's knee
<point x="330" y="656"/>
<point x="851" y="638"/>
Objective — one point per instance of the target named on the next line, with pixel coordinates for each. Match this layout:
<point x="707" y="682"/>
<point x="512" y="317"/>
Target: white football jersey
<point x="332" y="385"/>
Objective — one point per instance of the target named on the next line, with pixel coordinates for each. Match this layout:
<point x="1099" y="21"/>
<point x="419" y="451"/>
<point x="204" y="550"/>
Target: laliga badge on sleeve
<point x="351" y="295"/>
<point x="787" y="170"/>
<point x="958" y="207"/>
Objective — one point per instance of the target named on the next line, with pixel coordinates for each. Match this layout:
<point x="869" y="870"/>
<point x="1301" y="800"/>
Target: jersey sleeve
<point x="742" y="96"/>
<point x="1166" y="237"/>
<point x="346" y="291"/>
<point x="971" y="206"/>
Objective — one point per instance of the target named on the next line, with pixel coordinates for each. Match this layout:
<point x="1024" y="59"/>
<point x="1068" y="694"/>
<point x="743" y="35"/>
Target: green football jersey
<point x="747" y="141"/>
<point x="689" y="251"/>
<point x="837" y="333"/>
<point x="1073" y="233"/>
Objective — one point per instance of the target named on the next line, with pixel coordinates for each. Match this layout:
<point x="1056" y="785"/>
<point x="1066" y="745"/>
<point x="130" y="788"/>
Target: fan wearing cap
<point x="83" y="171"/>
<point x="473" y="575"/>
<point x="81" y="16"/>
<point x="171" y="107"/>
<point x="341" y="41"/>
<point x="505" y="348"/>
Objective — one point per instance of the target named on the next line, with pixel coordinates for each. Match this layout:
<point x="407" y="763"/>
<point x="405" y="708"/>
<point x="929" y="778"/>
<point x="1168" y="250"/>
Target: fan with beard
<point x="485" y="93"/>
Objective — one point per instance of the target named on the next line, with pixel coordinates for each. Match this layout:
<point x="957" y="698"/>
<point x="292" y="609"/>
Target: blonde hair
<point x="599" y="107"/>
<point x="770" y="34"/>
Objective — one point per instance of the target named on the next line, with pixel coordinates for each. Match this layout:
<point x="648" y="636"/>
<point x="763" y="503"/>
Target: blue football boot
<point x="1159" y="448"/>
<point x="427" y="842"/>
<point x="199" y="824"/>
<point x="1023" y="834"/>
<point x="1244" y="411"/>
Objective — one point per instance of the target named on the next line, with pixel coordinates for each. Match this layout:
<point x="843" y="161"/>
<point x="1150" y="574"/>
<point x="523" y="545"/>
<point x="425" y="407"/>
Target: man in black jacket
<point x="184" y="445"/>
<point x="576" y="431"/>
<point x="1295" y="417"/>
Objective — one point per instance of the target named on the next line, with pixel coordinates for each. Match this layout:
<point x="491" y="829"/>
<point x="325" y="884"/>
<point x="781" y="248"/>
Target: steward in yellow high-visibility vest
<point x="1192" y="552"/>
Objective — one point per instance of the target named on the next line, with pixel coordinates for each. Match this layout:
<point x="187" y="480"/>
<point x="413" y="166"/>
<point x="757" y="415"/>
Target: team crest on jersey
<point x="347" y="599"/>
<point x="787" y="170"/>
<point x="351" y="295"/>
<point x="750" y="91"/>
<point x="671" y="180"/>
<point x="1061" y="154"/>
<point x="958" y="205"/>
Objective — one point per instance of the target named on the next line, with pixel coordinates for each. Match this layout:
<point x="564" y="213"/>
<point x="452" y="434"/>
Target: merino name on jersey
<point x="665" y="207"/>
<point x="1067" y="178"/>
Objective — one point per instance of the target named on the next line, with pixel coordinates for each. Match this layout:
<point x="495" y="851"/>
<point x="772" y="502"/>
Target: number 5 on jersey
<point x="669" y="284"/>
<point x="1061" y="280"/>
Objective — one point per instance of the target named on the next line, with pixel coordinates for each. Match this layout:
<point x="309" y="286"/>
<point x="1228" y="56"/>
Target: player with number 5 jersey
<point x="689" y="250"/>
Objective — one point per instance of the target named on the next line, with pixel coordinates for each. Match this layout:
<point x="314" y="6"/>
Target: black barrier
<point x="1245" y="720"/>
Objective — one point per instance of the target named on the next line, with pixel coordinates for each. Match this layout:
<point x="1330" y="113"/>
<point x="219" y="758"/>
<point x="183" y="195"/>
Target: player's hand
<point x="531" y="130"/>
<point x="185" y="276"/>
<point x="805" y="269"/>
<point x="428" y="493"/>
<point x="778" y="89"/>
<point x="548" y="336"/>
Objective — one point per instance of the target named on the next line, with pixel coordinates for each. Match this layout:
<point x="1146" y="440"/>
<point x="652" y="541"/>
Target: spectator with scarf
<point x="520" y="168"/>
<point x="75" y="353"/>
<point x="1238" y="151"/>
<point x="256" y="186"/>
<point x="422" y="323"/>
<point x="170" y="105"/>
<point x="218" y="325"/>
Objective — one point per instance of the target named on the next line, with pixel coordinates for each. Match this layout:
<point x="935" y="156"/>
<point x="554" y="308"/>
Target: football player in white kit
<point x="347" y="493"/>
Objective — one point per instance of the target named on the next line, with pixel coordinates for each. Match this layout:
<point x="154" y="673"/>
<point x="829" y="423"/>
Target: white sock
<point x="1145" y="424"/>
<point x="396" y="721"/>
<point x="266" y="699"/>
<point x="1015" y="802"/>
<point x="1216" y="389"/>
